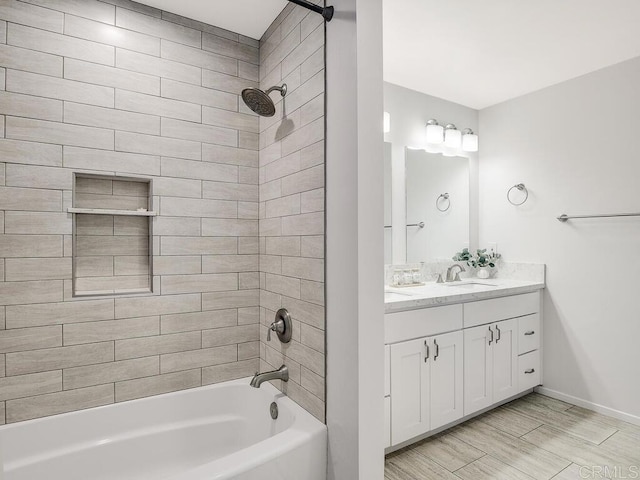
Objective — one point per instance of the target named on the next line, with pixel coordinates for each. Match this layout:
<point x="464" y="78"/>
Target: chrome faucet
<point x="450" y="277"/>
<point x="281" y="374"/>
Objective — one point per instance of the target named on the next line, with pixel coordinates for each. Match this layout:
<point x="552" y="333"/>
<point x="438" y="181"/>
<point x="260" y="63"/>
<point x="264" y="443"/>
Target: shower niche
<point x="112" y="235"/>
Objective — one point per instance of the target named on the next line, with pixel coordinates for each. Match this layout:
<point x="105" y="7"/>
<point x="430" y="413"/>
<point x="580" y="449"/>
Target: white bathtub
<point x="217" y="432"/>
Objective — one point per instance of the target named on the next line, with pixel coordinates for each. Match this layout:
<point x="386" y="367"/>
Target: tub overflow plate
<point x="273" y="409"/>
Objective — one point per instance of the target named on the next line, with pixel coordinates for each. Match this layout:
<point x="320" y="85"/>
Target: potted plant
<point x="482" y="260"/>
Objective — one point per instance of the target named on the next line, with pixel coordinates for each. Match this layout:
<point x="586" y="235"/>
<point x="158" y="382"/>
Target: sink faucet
<point x="281" y="374"/>
<point x="450" y="277"/>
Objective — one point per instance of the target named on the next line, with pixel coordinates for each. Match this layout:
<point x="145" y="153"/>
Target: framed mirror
<point x="437" y="205"/>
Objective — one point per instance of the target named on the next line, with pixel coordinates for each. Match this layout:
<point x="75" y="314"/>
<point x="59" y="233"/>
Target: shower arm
<point x="326" y="12"/>
<point x="282" y="90"/>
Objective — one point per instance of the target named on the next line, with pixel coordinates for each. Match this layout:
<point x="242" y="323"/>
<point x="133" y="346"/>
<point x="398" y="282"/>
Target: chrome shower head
<point x="260" y="102"/>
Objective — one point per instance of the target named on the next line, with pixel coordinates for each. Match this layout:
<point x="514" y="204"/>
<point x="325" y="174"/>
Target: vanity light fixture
<point x="387" y="122"/>
<point x="435" y="132"/>
<point x="469" y="140"/>
<point x="452" y="136"/>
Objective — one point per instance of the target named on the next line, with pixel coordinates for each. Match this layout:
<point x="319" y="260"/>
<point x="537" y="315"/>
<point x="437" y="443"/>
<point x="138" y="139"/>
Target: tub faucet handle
<point x="282" y="326"/>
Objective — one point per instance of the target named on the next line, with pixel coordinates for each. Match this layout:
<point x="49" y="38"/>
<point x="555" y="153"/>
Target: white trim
<point x="627" y="417"/>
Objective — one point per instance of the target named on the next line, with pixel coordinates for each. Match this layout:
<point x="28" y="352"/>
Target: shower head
<point x="260" y="102"/>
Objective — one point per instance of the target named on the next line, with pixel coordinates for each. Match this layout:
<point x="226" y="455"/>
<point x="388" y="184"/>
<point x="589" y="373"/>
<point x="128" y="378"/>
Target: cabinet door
<point x="409" y="390"/>
<point x="505" y="360"/>
<point x="446" y="379"/>
<point x="478" y="368"/>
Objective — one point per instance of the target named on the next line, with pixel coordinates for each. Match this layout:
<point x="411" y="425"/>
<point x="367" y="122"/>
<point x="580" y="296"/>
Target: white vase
<point x="483" y="272"/>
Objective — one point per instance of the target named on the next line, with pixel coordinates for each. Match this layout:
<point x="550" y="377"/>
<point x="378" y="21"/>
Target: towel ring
<point x="520" y="187"/>
<point x="444" y="196"/>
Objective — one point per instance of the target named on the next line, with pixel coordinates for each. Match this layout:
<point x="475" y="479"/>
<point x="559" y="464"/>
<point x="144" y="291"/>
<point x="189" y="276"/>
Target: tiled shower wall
<point x="292" y="203"/>
<point x="113" y="87"/>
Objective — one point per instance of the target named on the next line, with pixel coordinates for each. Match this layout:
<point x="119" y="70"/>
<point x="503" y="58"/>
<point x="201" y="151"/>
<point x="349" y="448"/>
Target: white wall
<point x="354" y="246"/>
<point x="572" y="145"/>
<point x="410" y="111"/>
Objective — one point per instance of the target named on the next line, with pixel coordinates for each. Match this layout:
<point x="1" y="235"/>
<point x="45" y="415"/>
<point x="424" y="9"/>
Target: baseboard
<point x="627" y="417"/>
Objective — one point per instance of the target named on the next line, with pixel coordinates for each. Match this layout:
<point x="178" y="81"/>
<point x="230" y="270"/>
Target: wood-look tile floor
<point x="534" y="437"/>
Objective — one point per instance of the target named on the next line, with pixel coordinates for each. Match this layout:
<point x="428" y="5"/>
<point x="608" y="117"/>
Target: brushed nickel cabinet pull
<point x="426" y="355"/>
<point x="530" y="332"/>
<point x="531" y="370"/>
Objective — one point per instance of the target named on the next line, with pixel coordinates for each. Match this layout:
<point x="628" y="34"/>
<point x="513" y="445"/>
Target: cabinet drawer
<point x="529" y="370"/>
<point x="529" y="333"/>
<point x="425" y="322"/>
<point x="496" y="309"/>
<point x="387" y="370"/>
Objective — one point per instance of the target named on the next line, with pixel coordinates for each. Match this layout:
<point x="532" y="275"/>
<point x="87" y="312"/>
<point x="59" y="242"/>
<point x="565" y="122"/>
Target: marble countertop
<point x="397" y="299"/>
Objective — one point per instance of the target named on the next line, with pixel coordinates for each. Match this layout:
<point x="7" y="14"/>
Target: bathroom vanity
<point x="456" y="349"/>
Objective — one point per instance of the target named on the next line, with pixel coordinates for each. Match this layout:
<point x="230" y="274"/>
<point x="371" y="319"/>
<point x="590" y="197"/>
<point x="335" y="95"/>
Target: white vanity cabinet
<point x="490" y="364"/>
<point x="426" y="384"/>
<point x="445" y="363"/>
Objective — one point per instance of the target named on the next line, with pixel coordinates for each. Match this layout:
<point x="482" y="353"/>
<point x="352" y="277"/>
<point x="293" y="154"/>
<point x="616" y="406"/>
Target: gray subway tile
<point x="154" y="145"/>
<point x="118" y="37"/>
<point x="90" y="159"/>
<point x="176" y="265"/>
<point x="59" y="133"/>
<point x="173" y="284"/>
<point x="230" y="191"/>
<point x="157" y="27"/>
<point x="177" y="187"/>
<point x="23" y="339"/>
<point x="30" y="153"/>
<point x="22" y="269"/>
<point x="88" y="115"/>
<point x="30" y="60"/>
<point x="59" y="88"/>
<point x="228" y="119"/>
<point x="217" y="227"/>
<point x="198" y="132"/>
<point x="95" y="74"/>
<point x="157" y="345"/>
<point x="25" y="14"/>
<point x="173" y="167"/>
<point x="39" y="223"/>
<point x="59" y="358"/>
<point x="229" y="371"/>
<point x="230" y="48"/>
<point x="156" y="385"/>
<point x="229" y="155"/>
<point x="223" y="300"/>
<point x="35" y="176"/>
<point x="159" y="67"/>
<point x="157" y="305"/>
<point x="16" y="246"/>
<point x="304" y="224"/>
<point x="92" y="332"/>
<point x="312" y="246"/>
<point x="174" y="362"/>
<point x="29" y="385"/>
<point x="306" y="268"/>
<point x="138" y="102"/>
<point x="47" y="314"/>
<point x="198" y="245"/>
<point x="19" y="105"/>
<point x="187" y="92"/>
<point x="229" y="263"/>
<point x="228" y="83"/>
<point x="186" y="322"/>
<point x="192" y="207"/>
<point x="197" y="57"/>
<point x="179" y="226"/>
<point x="98" y="11"/>
<point x="88" y="375"/>
<point x="230" y="335"/>
<point x="303" y="51"/>
<point x="56" y="44"/>
<point x="60" y="402"/>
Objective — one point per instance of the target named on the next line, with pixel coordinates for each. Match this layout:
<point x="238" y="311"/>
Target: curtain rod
<point x="326" y="12"/>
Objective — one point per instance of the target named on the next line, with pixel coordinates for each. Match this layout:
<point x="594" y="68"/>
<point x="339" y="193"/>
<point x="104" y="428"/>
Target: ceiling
<point x="479" y="53"/>
<point x="248" y="17"/>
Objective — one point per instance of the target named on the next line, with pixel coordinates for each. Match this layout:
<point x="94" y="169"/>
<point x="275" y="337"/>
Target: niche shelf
<point x="112" y="235"/>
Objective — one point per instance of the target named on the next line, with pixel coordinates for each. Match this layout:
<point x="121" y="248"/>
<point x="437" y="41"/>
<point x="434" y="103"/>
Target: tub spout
<point x="281" y="374"/>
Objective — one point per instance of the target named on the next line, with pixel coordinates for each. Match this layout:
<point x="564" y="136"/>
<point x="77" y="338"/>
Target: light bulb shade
<point x="470" y="142"/>
<point x="387" y="122"/>
<point x="435" y="134"/>
<point x="452" y="138"/>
